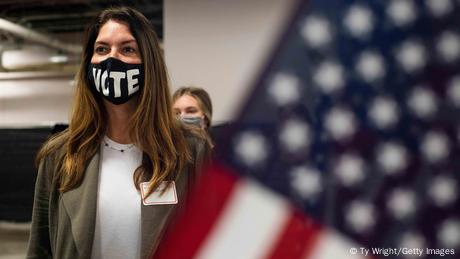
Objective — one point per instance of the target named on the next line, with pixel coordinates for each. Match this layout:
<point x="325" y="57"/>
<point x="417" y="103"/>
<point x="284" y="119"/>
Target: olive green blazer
<point x="63" y="224"/>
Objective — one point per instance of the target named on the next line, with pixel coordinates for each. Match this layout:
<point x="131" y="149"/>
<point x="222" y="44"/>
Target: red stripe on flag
<point x="191" y="228"/>
<point x="297" y="239"/>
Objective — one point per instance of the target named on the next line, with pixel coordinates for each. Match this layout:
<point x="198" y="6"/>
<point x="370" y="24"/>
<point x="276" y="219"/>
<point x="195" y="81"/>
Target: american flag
<point x="348" y="145"/>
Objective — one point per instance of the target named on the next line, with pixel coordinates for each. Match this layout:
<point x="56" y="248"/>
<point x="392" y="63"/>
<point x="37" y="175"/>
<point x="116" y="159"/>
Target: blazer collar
<point x="81" y="205"/>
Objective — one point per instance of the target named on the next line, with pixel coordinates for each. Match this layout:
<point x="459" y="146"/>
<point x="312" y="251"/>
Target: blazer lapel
<point x="81" y="205"/>
<point x="156" y="218"/>
<point x="147" y="230"/>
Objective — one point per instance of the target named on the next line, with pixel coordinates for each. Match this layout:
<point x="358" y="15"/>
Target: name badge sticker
<point x="168" y="197"/>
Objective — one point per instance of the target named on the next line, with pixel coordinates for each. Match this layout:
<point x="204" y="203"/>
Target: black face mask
<point x="116" y="80"/>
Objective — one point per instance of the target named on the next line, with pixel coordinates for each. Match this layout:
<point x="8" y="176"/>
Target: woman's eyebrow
<point x="128" y="41"/>
<point x="102" y="42"/>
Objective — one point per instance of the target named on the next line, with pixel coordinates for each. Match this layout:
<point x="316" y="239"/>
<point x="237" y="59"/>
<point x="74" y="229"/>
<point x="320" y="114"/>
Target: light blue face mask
<point x="193" y="120"/>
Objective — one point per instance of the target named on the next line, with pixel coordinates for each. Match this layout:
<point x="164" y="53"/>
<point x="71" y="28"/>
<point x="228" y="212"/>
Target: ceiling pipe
<point x="37" y="37"/>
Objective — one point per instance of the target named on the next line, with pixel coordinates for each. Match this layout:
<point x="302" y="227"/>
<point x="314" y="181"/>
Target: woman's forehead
<point x="186" y="101"/>
<point x="114" y="30"/>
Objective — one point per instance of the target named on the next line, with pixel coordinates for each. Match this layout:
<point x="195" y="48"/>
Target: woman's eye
<point x="191" y="112"/>
<point x="129" y="50"/>
<point x="100" y="49"/>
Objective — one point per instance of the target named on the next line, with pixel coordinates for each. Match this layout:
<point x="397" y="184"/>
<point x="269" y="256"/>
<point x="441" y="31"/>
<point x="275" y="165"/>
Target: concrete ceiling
<point x="59" y="18"/>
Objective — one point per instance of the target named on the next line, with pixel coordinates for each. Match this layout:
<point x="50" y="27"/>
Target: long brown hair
<point x="153" y="127"/>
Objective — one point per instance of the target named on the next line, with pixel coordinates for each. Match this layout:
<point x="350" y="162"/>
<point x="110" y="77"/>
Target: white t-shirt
<point x="117" y="232"/>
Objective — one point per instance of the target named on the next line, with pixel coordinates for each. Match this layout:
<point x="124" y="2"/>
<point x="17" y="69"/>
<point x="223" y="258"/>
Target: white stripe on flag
<point x="249" y="225"/>
<point x="333" y="245"/>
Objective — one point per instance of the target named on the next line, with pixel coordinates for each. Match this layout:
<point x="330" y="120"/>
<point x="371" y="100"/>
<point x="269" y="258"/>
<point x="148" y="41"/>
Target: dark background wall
<point x="18" y="148"/>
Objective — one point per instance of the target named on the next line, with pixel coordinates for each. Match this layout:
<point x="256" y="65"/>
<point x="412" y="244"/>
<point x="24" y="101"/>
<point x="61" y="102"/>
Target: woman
<point x="96" y="180"/>
<point x="193" y="105"/>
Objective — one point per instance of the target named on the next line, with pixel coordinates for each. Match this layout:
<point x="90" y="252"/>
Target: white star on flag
<point x="284" y="89"/>
<point x="316" y="31"/>
<point x="359" y="20"/>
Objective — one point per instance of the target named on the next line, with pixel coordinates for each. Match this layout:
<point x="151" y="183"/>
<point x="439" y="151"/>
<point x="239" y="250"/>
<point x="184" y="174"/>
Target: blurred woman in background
<point x="193" y="105"/>
<point x="96" y="180"/>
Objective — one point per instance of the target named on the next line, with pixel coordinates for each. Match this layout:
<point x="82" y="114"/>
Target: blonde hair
<point x="153" y="127"/>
